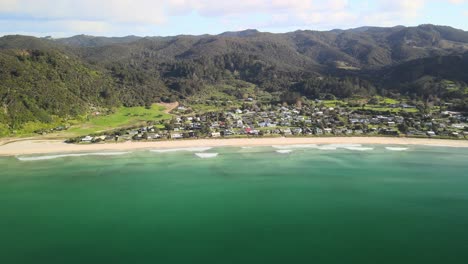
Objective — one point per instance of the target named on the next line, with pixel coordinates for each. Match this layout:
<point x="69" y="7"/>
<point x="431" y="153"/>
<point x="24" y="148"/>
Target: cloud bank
<point x="146" y="16"/>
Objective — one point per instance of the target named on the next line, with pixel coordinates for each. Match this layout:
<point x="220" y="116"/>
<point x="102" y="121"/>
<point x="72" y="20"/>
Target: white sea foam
<point x="327" y="148"/>
<point x="246" y="147"/>
<point x="207" y="155"/>
<point x="322" y="147"/>
<point x="342" y="145"/>
<point x="396" y="149"/>
<point x="443" y="146"/>
<point x="49" y="157"/>
<point x="198" y="149"/>
<point x="295" y="146"/>
<point x="359" y="148"/>
<point x="284" y="151"/>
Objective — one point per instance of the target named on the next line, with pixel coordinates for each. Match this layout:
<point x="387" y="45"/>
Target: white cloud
<point x="107" y="16"/>
<point x="58" y="28"/>
<point x="136" y="11"/>
<point x="405" y="8"/>
<point x="223" y="8"/>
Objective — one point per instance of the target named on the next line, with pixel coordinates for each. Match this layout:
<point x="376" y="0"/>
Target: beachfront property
<point x="307" y="120"/>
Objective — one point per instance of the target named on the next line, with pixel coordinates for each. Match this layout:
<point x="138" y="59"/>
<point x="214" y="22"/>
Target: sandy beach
<point x="28" y="147"/>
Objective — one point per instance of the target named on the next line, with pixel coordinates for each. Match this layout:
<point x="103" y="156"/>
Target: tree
<point x="373" y="101"/>
<point x="403" y="127"/>
<point x="169" y="126"/>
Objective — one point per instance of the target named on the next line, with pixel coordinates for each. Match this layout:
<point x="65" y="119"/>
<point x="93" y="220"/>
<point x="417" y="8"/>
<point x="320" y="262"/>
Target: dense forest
<point x="42" y="78"/>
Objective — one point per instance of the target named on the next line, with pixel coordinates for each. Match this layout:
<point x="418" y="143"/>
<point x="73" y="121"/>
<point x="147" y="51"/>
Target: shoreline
<point x="30" y="147"/>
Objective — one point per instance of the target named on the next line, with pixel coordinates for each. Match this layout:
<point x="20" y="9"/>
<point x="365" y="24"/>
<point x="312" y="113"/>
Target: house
<point x="297" y="131"/>
<point x="251" y="131"/>
<point x="430" y="133"/>
<point x="407" y="106"/>
<point x="254" y="132"/>
<point x="450" y="113"/>
<point x="227" y="133"/>
<point x="459" y="126"/>
<point x="358" y="132"/>
<point x="327" y="130"/>
<point x="87" y="139"/>
<point x="176" y="136"/>
<point x="337" y="131"/>
<point x="154" y="136"/>
<point x="215" y="134"/>
<point x="287" y="132"/>
<point x="387" y="131"/>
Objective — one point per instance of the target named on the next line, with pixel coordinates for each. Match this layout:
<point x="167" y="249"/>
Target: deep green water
<point x="244" y="206"/>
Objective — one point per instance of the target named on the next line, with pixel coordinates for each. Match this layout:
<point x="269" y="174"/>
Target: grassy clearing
<point x="203" y="108"/>
<point x="385" y="109"/>
<point x="122" y="117"/>
<point x="332" y="103"/>
<point x="386" y="100"/>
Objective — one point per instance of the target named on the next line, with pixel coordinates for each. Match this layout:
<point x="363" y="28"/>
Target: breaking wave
<point x="284" y="151"/>
<point x="327" y="147"/>
<point x="295" y="146"/>
<point x="199" y="149"/>
<point x="207" y="155"/>
<point x="396" y="149"/>
<point x="49" y="157"/>
<point x="359" y="148"/>
<point x="323" y="147"/>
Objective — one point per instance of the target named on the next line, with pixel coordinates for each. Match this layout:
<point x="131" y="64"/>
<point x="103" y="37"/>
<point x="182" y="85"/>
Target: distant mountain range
<point x="43" y="77"/>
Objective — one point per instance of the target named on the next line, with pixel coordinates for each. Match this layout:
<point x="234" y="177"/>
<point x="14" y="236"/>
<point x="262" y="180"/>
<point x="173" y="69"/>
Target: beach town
<point x="249" y="118"/>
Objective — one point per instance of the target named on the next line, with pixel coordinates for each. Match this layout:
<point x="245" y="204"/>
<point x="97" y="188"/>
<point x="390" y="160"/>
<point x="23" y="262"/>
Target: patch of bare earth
<point x="169" y="106"/>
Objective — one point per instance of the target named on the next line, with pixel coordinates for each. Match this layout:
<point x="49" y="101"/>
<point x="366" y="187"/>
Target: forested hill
<point x="42" y="77"/>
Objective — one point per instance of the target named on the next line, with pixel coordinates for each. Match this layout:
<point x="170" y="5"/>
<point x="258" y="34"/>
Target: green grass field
<point x="332" y="103"/>
<point x="122" y="117"/>
<point x="385" y="109"/>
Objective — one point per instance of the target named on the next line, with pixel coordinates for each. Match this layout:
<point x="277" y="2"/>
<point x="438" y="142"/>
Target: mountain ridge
<point x="135" y="71"/>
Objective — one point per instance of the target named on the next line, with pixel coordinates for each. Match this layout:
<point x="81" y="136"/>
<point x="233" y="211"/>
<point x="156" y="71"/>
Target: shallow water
<point x="317" y="204"/>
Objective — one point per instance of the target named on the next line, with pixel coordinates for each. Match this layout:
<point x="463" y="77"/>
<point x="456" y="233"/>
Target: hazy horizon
<point x="220" y="33"/>
<point x="190" y="17"/>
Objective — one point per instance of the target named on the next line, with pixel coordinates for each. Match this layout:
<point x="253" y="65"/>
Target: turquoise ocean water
<point x="328" y="204"/>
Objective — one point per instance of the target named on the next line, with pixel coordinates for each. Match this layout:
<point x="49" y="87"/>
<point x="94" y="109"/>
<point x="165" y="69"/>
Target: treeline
<point x="41" y="79"/>
<point x="37" y="85"/>
<point x="328" y="87"/>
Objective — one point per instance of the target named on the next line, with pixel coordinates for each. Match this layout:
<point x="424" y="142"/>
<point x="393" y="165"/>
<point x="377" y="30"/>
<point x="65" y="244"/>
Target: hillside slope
<point x="43" y="78"/>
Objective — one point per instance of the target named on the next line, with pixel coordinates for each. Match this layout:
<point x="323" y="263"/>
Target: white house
<point x="87" y="139"/>
<point x="176" y="136"/>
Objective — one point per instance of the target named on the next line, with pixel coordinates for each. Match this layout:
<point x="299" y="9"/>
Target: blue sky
<point x="62" y="18"/>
